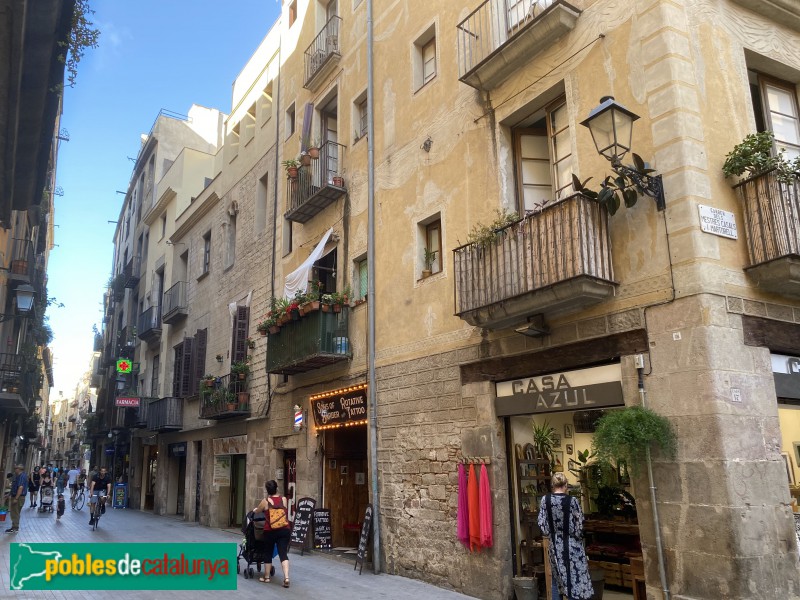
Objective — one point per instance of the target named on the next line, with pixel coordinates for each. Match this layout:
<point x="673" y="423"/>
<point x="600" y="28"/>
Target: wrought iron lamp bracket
<point x="647" y="185"/>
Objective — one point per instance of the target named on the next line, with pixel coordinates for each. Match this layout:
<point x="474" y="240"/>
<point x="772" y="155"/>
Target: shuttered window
<point x="182" y="376"/>
<point x="241" y="327"/>
<point x="154" y="379"/>
<point x="200" y="343"/>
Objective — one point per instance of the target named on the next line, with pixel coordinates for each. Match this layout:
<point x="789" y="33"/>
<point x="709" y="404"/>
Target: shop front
<point x="340" y="417"/>
<point x="550" y="421"/>
<point x="229" y="479"/>
<point x="786" y="373"/>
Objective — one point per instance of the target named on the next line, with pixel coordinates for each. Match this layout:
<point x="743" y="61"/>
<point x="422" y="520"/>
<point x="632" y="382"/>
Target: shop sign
<point x="597" y="387"/>
<point x="178" y="449"/>
<point x="786" y="373"/>
<point x="341" y="408"/>
<point x="127" y="401"/>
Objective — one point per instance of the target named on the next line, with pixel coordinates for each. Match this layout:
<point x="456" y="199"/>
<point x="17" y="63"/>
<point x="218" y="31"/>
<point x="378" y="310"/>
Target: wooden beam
<point x="581" y="354"/>
<point x="778" y="336"/>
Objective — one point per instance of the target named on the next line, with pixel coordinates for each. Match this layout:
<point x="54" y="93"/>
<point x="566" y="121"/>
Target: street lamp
<point x="24" y="296"/>
<point x="611" y="125"/>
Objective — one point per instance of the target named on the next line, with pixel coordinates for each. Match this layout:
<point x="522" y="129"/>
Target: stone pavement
<point x="312" y="576"/>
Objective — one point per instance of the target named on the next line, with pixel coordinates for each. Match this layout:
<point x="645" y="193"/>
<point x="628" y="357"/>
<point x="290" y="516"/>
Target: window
<point x="182" y="372"/>
<point x="241" y="328"/>
<point x="433" y="243"/>
<point x="425" y="58"/>
<point x="154" y="377"/>
<point x="199" y="366"/>
<point x="206" y="253"/>
<point x="776" y="109"/>
<point x="543" y="157"/>
<point x="360" y="116"/>
<point x="292" y="13"/>
<point x="287" y="236"/>
<point x="361" y="279"/>
<point x="290" y="121"/>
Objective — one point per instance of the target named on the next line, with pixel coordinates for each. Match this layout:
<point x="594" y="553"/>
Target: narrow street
<point x="312" y="575"/>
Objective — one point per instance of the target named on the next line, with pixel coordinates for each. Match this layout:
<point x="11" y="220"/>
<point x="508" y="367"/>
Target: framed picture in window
<point x="568" y="431"/>
<point x="558" y="461"/>
<point x="556" y="440"/>
<point x="570" y="450"/>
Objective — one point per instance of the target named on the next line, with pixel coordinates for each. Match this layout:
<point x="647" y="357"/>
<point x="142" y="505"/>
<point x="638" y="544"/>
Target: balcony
<point x="165" y="414"/>
<point x="98" y="342"/>
<point x="109" y="356"/>
<point x="772" y="227"/>
<point x="130" y="274"/>
<point x="11" y="383"/>
<point x="71" y="434"/>
<point x="149" y="326"/>
<point x="22" y="261"/>
<point x="175" y="306"/>
<point x="126" y="342"/>
<point x="124" y="417"/>
<point x="316" y="340"/>
<point x="140" y="418"/>
<point x="317" y="185"/>
<point x="501" y="37"/>
<point x="550" y="262"/>
<point x="323" y="54"/>
<point x="227" y="397"/>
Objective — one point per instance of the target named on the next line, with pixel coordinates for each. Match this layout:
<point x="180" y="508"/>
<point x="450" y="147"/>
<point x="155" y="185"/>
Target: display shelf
<point x="533" y="482"/>
<point x="611" y="546"/>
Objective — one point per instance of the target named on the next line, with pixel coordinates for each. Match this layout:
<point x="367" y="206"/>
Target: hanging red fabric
<point x="486" y="537"/>
<point x="473" y="501"/>
<point x="463" y="510"/>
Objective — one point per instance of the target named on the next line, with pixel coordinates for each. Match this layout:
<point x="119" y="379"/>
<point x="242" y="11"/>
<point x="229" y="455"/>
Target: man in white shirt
<point x="72" y="480"/>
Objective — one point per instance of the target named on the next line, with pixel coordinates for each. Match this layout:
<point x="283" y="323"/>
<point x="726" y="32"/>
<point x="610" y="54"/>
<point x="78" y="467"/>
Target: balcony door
<point x="776" y="109"/>
<point x="330" y="133"/>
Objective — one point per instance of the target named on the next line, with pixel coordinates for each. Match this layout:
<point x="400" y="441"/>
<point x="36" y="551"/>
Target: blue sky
<point x="152" y="55"/>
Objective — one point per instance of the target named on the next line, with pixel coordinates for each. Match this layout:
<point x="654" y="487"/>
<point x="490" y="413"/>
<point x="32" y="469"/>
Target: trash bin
<point x="526" y="588"/>
<point x="598" y="577"/>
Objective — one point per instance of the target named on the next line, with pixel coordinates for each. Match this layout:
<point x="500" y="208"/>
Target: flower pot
<point x="295" y="314"/>
<point x="242" y="376"/>
<point x="309" y="307"/>
<point x="338" y="181"/>
<point x="283" y="319"/>
<point x="244" y="400"/>
<point x="263" y="332"/>
<point x="305" y="160"/>
<point x="3" y="516"/>
<point x="292" y="172"/>
<point x="337" y="308"/>
<point x="230" y="406"/>
<point x="426" y="273"/>
<point x="313" y="153"/>
<point x="275" y="329"/>
<point x="326" y="308"/>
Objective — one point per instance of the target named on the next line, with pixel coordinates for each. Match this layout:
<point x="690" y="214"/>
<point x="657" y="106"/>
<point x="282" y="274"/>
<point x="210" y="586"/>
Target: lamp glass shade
<point x="611" y="125"/>
<point x="25" y="294"/>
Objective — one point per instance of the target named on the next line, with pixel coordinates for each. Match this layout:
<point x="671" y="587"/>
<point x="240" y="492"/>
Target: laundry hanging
<point x="297" y="280"/>
<point x="463" y="510"/>
<point x="486" y="537"/>
<point x="473" y="502"/>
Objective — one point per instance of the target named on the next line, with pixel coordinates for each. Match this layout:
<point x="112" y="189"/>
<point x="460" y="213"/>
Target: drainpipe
<point x="662" y="568"/>
<point x="371" y="381"/>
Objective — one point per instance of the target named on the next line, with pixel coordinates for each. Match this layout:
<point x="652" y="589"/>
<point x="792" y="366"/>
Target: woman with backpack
<point x="276" y="528"/>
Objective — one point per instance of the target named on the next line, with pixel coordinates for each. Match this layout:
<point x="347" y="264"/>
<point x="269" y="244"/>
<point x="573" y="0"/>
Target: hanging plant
<point x="626" y="434"/>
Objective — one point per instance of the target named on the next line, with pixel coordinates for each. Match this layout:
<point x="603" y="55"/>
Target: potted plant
<point x="482" y="235"/>
<point x="229" y="399"/>
<point x="543" y="441"/>
<point x="244" y="400"/>
<point x="630" y="433"/>
<point x="429" y="258"/>
<point x="313" y="149"/>
<point x="208" y="381"/>
<point x="291" y="165"/>
<point x="241" y="368"/>
<point x="251" y="343"/>
<point x="280" y="311"/>
<point x="755" y="155"/>
<point x="338" y="180"/>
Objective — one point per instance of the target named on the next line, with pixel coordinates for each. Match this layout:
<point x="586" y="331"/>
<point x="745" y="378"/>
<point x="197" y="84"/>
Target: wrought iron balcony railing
<point x="772" y="226"/>
<point x="500" y="37"/>
<point x="224" y="397"/>
<point x="550" y="261"/>
<point x="175" y="306"/>
<point x="149" y="326"/>
<point x="315" y="340"/>
<point x="130" y="272"/>
<point x="165" y="414"/>
<point x="323" y="53"/>
<point x="317" y="185"/>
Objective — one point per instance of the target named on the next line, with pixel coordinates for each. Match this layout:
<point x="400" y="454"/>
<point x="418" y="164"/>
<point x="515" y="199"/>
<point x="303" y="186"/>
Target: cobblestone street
<point x="312" y="576"/>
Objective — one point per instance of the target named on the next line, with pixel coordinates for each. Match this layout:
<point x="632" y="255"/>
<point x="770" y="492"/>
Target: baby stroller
<point x="253" y="549"/>
<point x="46" y="498"/>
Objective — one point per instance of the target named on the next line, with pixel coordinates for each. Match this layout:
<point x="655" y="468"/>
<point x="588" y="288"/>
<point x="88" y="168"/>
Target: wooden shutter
<point x="186" y="368"/>
<point x="240" y="333"/>
<point x="176" y="371"/>
<point x="200" y="343"/>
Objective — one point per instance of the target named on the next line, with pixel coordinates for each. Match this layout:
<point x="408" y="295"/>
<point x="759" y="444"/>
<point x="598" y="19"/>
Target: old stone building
<point x="688" y="303"/>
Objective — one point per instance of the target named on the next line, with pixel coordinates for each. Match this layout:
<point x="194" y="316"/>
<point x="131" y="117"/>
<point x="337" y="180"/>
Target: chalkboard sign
<point x="366" y="526"/>
<point x="322" y="528"/>
<point x="302" y="519"/>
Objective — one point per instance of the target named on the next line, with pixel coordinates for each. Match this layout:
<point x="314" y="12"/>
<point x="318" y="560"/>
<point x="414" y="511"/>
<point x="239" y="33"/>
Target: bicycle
<point x="78" y="499"/>
<point x="97" y="511"/>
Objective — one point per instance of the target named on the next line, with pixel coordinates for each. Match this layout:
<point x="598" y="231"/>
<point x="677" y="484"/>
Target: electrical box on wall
<point x="278" y="474"/>
<point x="639" y="361"/>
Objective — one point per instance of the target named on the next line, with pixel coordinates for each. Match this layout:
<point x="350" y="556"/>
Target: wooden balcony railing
<point x="224" y="397"/>
<point x="140" y="420"/>
<point x="165" y="414"/>
<point x="551" y="261"/>
<point x="772" y="227"/>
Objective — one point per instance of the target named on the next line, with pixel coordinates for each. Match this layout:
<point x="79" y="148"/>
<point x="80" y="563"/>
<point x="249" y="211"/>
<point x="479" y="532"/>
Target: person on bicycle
<point x="82" y="479"/>
<point x="72" y="481"/>
<point x="99" y="488"/>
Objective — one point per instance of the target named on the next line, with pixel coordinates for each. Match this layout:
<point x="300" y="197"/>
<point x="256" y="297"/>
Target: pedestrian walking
<point x="17" y="498"/>
<point x="276" y="529"/>
<point x="34" y="482"/>
<point x="561" y="519"/>
<point x="72" y="480"/>
<point x="61" y="481"/>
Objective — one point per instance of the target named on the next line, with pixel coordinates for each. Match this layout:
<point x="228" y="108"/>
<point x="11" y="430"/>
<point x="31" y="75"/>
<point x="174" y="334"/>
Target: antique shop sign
<point x="786" y="373"/>
<point x="346" y="408"/>
<point x="583" y="389"/>
<point x="719" y="222"/>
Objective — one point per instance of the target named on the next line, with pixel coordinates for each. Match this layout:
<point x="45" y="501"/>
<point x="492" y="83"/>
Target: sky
<point x="152" y="55"/>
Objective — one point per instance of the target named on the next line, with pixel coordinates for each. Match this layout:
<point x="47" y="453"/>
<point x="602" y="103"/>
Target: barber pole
<point x="298" y="418"/>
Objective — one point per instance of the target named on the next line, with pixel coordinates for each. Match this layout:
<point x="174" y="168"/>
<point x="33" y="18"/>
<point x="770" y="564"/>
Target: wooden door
<point x="346" y="489"/>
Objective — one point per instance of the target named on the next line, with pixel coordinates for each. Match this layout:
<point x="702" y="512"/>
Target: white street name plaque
<point x="719" y="222"/>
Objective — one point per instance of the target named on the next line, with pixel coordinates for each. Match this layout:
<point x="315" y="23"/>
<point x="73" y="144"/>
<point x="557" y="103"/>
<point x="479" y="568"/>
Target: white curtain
<point x="297" y="280"/>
